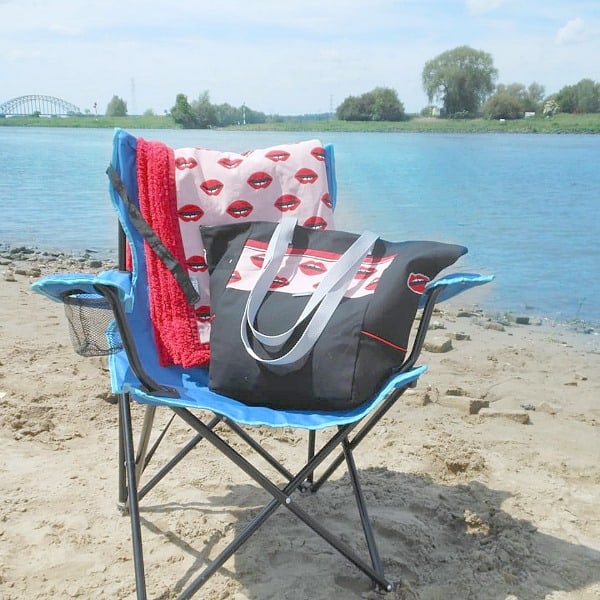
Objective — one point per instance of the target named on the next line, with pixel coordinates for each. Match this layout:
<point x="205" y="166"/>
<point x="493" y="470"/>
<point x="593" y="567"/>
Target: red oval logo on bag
<point x="417" y="282"/>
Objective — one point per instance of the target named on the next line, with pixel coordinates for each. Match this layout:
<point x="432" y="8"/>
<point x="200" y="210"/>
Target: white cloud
<point x="573" y="32"/>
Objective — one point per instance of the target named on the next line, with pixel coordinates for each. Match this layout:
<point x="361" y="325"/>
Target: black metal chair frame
<point x="132" y="463"/>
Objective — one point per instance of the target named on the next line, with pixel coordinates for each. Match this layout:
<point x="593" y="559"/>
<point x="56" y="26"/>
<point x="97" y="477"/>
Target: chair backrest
<point x="180" y="190"/>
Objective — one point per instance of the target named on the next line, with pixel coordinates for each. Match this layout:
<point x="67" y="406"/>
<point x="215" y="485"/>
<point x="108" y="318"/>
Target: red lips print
<point x="279" y="282"/>
<point x="364" y="272"/>
<point x="211" y="187"/>
<point x="326" y="200"/>
<point x="196" y="263"/>
<point x="260" y="180"/>
<point x="230" y="163"/>
<point x="315" y="223"/>
<point x="258" y="260"/>
<point x="312" y="267"/>
<point x="287" y="202"/>
<point x="190" y="212"/>
<point x="305" y="176"/>
<point x="240" y="209"/>
<point x="182" y="163"/>
<point x="417" y="282"/>
<point x="277" y="155"/>
<point x="235" y="276"/>
<point x="318" y="153"/>
<point x="373" y="285"/>
<point x="203" y="314"/>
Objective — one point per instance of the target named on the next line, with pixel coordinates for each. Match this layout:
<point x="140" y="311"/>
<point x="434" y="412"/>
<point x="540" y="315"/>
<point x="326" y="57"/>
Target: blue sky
<point x="278" y="56"/>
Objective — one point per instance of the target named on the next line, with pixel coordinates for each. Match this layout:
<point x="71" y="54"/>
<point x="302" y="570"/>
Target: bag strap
<point x="149" y="235"/>
<point x="322" y="303"/>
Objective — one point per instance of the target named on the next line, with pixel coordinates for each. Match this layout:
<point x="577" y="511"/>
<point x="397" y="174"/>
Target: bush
<point x="503" y="106"/>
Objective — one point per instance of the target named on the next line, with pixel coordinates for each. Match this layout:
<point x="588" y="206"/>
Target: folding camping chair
<point x="116" y="304"/>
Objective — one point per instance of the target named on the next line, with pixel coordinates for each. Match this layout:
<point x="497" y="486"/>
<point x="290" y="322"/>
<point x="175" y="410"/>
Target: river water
<point x="527" y="206"/>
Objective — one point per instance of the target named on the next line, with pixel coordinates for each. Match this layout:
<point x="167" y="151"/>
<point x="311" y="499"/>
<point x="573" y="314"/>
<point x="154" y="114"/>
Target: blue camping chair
<point x="115" y="304"/>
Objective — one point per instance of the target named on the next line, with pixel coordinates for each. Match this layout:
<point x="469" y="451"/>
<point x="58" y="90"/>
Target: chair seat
<point x="194" y="394"/>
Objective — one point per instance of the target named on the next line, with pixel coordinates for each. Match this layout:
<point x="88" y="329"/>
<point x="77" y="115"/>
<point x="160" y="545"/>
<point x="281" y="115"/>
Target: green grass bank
<point x="562" y="123"/>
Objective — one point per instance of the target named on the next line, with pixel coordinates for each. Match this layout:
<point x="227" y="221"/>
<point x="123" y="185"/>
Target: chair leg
<point x="281" y="497"/>
<point x="312" y="440"/>
<point x="360" y="435"/>
<point x="122" y="490"/>
<point x="362" y="508"/>
<point x="132" y="495"/>
<point x="140" y="459"/>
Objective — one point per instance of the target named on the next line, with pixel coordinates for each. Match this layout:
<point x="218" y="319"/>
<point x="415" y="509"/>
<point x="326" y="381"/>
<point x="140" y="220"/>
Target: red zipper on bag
<point x="383" y="341"/>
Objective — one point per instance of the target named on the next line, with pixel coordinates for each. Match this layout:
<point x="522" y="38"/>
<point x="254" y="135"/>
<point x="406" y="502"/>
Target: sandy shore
<point x="483" y="482"/>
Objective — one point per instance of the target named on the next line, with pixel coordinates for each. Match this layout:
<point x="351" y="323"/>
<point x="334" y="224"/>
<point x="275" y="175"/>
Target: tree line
<point x="461" y="81"/>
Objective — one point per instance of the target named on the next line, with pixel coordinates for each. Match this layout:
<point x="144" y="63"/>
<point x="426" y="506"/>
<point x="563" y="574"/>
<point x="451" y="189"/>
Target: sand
<point x="494" y="503"/>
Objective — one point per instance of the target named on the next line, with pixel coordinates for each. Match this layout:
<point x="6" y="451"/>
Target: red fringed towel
<point x="173" y="319"/>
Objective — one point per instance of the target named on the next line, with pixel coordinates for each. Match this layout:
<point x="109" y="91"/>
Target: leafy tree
<point x="583" y="97"/>
<point x="503" y="106"/>
<point x="205" y="112"/>
<point x="588" y="96"/>
<point x="535" y="96"/>
<point x="231" y="115"/>
<point x="461" y="78"/>
<point x="117" y="107"/>
<point x="182" y="113"/>
<point x="354" y="108"/>
<point x="201" y="113"/>
<point x="228" y="115"/>
<point x="567" y="99"/>
<point x="385" y="105"/>
<point x="380" y="104"/>
<point x="513" y="100"/>
<point x="254" y="116"/>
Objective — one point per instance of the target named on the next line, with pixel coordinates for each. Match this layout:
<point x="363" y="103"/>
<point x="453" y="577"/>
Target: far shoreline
<point x="558" y="124"/>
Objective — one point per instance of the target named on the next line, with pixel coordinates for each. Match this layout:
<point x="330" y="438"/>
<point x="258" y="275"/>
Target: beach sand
<point x="501" y="504"/>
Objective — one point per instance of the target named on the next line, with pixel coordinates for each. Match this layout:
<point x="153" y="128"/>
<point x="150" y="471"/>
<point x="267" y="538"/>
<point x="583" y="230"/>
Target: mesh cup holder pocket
<point x="91" y="324"/>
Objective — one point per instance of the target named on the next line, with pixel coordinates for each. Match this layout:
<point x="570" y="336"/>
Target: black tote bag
<point x="360" y="337"/>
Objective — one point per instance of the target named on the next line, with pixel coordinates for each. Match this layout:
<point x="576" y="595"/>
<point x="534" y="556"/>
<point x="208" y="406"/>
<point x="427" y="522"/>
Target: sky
<point x="284" y="57"/>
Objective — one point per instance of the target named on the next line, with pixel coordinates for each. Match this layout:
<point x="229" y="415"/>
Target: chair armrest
<point x="437" y="291"/>
<point x="59" y="285"/>
<point x="454" y="284"/>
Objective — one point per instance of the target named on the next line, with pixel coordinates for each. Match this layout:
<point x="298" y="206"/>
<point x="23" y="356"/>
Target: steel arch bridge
<point x="24" y="106"/>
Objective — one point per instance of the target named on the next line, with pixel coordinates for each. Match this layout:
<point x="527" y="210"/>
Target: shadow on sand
<point x="440" y="541"/>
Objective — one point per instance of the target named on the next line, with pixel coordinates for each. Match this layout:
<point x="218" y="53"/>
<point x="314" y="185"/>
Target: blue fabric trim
<point x="55" y="286"/>
<point x="196" y="395"/>
<point x="331" y="176"/>
<point x="456" y="283"/>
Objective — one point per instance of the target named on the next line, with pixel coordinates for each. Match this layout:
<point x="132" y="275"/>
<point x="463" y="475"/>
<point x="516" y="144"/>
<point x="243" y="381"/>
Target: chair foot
<point x="123" y="508"/>
<point x="306" y="487"/>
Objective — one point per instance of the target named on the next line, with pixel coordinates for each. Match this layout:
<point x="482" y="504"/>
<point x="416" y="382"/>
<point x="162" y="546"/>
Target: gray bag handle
<point x="323" y="301"/>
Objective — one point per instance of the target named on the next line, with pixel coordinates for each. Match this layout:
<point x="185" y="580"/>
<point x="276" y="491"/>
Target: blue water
<point x="527" y="206"/>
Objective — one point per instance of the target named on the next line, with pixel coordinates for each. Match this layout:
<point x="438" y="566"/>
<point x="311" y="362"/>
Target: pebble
<point x="29" y="262"/>
<point x="438" y="345"/>
<point x="460" y="337"/>
<point x="494" y="326"/>
<point x="9" y="275"/>
<point x="517" y="416"/>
